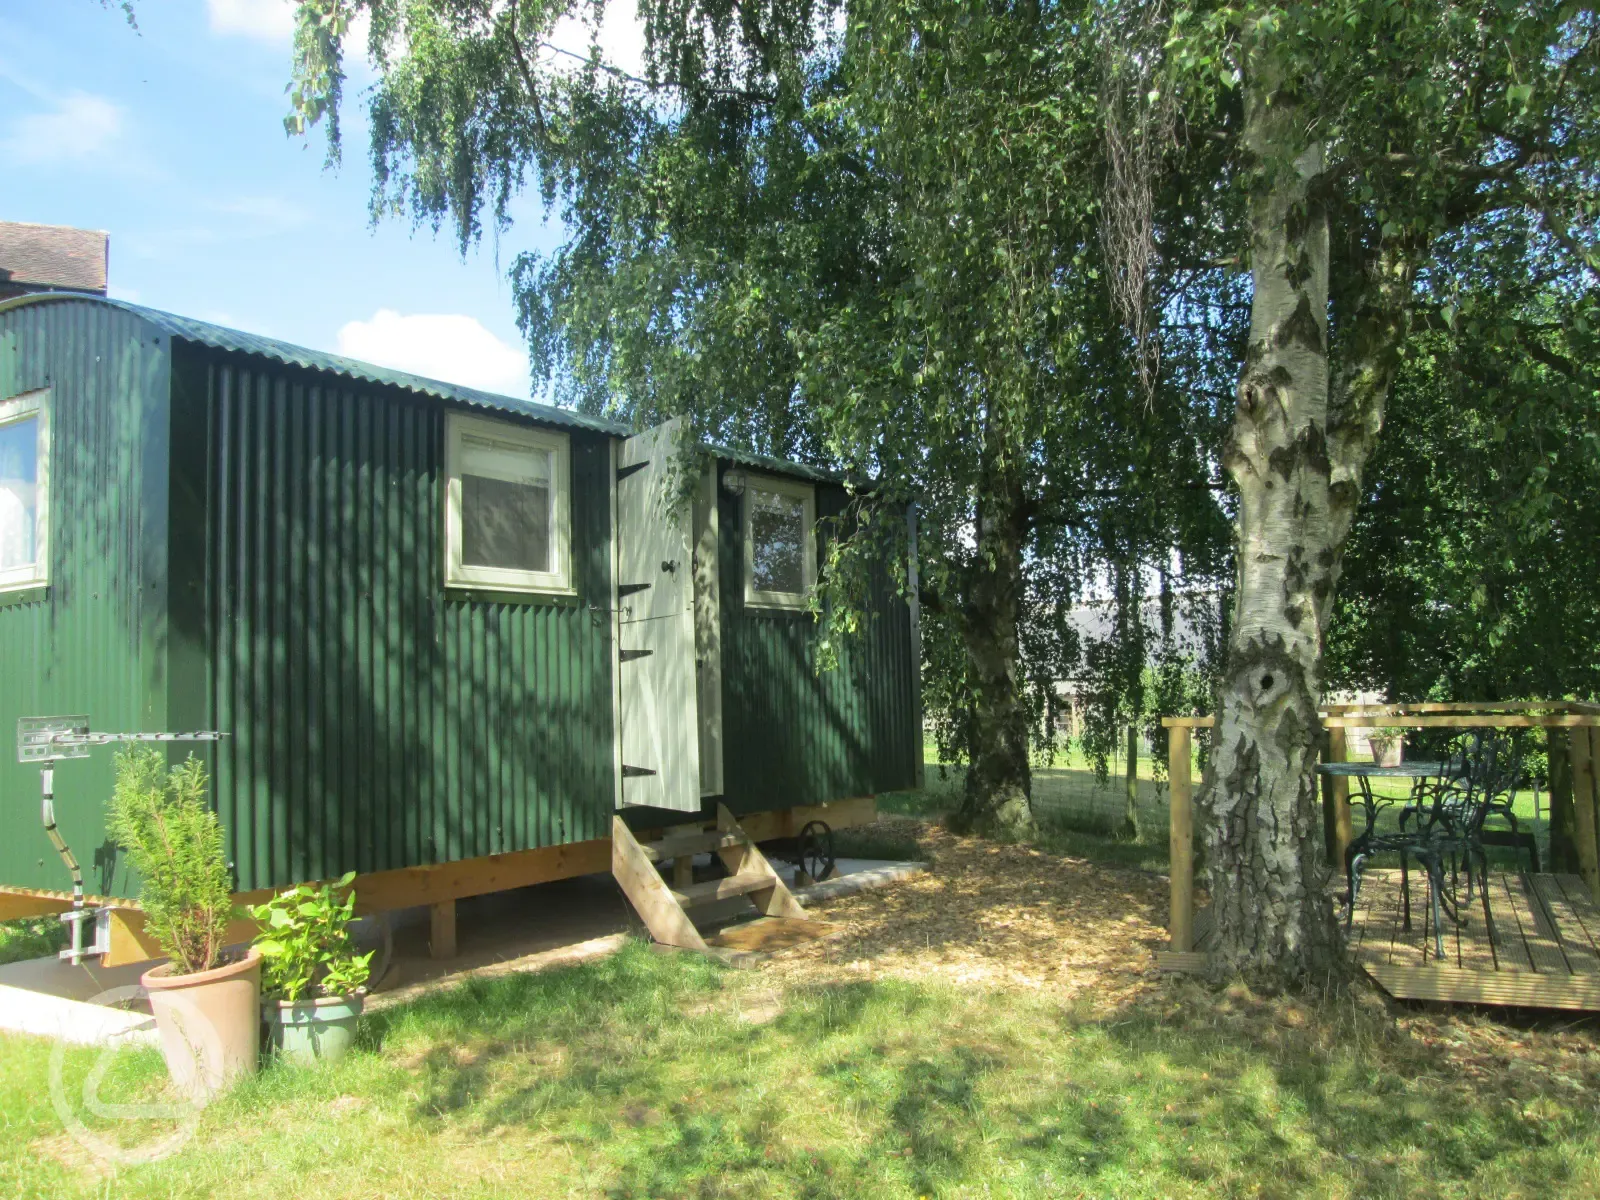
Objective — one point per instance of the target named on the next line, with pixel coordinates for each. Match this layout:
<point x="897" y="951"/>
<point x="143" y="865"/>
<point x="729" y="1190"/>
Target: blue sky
<point x="171" y="139"/>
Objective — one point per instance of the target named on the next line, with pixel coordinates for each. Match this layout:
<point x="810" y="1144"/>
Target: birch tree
<point x="1364" y="136"/>
<point x="864" y="237"/>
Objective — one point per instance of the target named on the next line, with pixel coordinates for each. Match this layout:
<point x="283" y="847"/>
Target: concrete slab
<point x="45" y="1015"/>
<point x="53" y="977"/>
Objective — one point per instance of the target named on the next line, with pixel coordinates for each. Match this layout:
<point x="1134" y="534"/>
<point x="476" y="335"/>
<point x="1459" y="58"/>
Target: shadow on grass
<point x="643" y="1067"/>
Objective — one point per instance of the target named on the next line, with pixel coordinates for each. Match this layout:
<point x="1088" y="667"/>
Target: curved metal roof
<point x="218" y="337"/>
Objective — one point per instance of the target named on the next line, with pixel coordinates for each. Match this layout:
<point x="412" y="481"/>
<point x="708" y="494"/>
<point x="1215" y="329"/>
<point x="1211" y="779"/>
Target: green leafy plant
<point x="306" y="941"/>
<point x="159" y="816"/>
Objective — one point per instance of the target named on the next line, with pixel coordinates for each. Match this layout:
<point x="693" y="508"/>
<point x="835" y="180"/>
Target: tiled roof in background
<point x="54" y="256"/>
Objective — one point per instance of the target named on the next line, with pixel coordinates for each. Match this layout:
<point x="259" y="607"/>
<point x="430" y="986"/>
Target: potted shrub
<point x="1388" y="744"/>
<point x="206" y="1000"/>
<point x="315" y="981"/>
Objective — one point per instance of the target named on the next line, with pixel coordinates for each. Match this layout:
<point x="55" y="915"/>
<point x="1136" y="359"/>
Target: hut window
<point x="506" y="516"/>
<point x="779" y="542"/>
<point x="24" y="490"/>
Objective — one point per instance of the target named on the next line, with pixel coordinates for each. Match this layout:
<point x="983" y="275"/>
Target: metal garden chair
<point x="1442" y="823"/>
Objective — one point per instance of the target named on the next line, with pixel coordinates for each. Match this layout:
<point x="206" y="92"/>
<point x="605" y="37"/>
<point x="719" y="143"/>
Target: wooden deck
<point x="1543" y="951"/>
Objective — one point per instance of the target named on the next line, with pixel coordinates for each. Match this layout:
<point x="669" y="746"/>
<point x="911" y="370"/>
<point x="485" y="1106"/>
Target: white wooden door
<point x="656" y="628"/>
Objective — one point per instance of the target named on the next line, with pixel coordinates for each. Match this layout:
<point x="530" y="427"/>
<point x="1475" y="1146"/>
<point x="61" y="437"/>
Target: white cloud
<point x="264" y="20"/>
<point x="448" y="346"/>
<point x="78" y="126"/>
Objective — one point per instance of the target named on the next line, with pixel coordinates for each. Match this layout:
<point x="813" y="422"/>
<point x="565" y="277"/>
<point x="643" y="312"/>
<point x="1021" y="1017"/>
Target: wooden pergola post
<point x="1583" y="806"/>
<point x="1180" y="784"/>
<point x="1339" y="791"/>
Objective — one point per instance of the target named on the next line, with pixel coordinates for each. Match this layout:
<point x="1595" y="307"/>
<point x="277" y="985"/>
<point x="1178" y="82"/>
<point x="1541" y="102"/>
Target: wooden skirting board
<point x="1453" y="985"/>
<point x="439" y="884"/>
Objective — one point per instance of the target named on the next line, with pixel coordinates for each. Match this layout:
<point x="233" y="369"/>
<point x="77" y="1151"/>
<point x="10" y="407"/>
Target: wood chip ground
<point x="994" y="915"/>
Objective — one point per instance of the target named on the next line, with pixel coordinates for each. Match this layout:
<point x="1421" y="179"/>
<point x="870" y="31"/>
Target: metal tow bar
<point x="46" y="741"/>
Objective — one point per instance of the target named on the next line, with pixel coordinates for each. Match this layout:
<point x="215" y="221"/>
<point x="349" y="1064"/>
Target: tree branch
<point x="526" y="71"/>
<point x="1558" y="363"/>
<point x="745" y="94"/>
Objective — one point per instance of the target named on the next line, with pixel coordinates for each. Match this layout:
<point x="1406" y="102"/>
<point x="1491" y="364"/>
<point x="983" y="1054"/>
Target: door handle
<point x="669" y="565"/>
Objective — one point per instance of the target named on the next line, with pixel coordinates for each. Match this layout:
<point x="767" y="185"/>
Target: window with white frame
<point x="25" y="490"/>
<point x="507" y="518"/>
<point x="780" y="555"/>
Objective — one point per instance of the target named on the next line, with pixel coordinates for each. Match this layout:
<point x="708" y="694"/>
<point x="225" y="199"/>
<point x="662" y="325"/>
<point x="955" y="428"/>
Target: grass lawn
<point x="656" y="1075"/>
<point x="32" y="937"/>
<point x="1070" y="825"/>
<point x="1062" y="829"/>
<point x="990" y="1029"/>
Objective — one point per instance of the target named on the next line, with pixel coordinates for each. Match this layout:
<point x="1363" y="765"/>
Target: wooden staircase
<point x="665" y="907"/>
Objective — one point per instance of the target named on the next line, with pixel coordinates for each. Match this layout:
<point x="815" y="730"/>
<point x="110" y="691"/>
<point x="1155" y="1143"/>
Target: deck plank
<point x="1384" y="940"/>
<point x="1414" y="947"/>
<point x="1359" y="920"/>
<point x="1510" y="946"/>
<point x="1584" y="927"/>
<point x="1511" y="895"/>
<point x="1476" y="951"/>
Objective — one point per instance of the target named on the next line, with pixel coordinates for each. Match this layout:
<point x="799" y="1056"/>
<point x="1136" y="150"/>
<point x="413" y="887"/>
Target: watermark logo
<point x="175" y="1121"/>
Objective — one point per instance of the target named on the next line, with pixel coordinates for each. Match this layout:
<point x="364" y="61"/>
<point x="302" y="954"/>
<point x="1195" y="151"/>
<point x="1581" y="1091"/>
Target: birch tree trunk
<point x="997" y="799"/>
<point x="1274" y="918"/>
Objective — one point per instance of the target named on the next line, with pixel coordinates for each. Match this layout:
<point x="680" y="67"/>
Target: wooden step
<point x="741" y="884"/>
<point x="681" y="844"/>
<point x="663" y="909"/>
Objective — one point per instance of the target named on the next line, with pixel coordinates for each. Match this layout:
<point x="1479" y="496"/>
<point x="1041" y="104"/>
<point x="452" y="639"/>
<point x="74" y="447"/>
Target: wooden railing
<point x="1580" y="746"/>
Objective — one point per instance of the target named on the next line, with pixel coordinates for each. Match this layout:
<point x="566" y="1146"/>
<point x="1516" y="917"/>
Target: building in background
<point x="52" y="258"/>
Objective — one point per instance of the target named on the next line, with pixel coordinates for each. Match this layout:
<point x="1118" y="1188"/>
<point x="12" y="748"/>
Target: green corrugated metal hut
<point x="435" y="624"/>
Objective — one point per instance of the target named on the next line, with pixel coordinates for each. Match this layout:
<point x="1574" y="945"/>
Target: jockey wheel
<point x="814" y="851"/>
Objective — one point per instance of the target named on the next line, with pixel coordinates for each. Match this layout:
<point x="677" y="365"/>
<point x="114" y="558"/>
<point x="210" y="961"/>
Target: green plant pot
<point x="309" y="1031"/>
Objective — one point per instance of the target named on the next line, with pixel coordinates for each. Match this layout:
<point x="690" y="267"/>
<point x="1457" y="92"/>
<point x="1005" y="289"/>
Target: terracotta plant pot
<point x="209" y="1022"/>
<point x="1387" y="751"/>
<point x="306" y="1031"/>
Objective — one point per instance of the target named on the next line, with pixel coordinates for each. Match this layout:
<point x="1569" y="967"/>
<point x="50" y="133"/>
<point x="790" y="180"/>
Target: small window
<point x="779" y="541"/>
<point x="506" y="520"/>
<point x="24" y="491"/>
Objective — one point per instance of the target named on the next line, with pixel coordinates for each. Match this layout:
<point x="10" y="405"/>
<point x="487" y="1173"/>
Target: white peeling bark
<point x="1263" y="830"/>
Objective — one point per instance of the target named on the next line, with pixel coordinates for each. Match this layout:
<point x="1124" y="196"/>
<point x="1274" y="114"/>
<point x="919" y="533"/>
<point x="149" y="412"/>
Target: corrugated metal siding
<point x="95" y="642"/>
<point x="378" y="721"/>
<point x="793" y="735"/>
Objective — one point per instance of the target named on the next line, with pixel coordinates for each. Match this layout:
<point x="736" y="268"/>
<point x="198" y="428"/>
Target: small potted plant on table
<point x="206" y="1000"/>
<point x="315" y="980"/>
<point x="1388" y="745"/>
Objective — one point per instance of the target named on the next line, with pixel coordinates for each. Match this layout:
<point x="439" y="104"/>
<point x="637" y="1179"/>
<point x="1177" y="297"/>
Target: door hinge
<point x="630" y="655"/>
<point x="628" y="589"/>
<point x="631" y="469"/>
<point x="635" y="772"/>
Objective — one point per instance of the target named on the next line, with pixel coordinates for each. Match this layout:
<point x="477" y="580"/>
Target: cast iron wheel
<point x="815" y="850"/>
